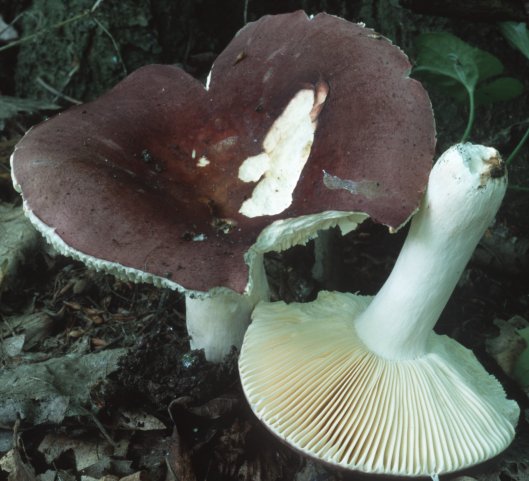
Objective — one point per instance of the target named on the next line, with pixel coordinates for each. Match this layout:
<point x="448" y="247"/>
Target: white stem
<point x="326" y="268"/>
<point x="465" y="190"/>
<point x="217" y="321"/>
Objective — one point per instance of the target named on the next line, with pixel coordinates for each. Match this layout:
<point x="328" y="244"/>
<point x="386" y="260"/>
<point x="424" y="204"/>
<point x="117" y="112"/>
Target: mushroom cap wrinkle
<point x="161" y="179"/>
<point x="364" y="383"/>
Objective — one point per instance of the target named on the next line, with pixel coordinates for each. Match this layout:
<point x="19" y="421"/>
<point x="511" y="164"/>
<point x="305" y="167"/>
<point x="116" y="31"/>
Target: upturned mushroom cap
<point x="314" y="383"/>
<point x="164" y="180"/>
<point x="364" y="383"/>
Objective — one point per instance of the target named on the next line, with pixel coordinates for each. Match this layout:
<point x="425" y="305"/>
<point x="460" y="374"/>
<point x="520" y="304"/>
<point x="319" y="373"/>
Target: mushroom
<point x="305" y="123"/>
<point x="364" y="383"/>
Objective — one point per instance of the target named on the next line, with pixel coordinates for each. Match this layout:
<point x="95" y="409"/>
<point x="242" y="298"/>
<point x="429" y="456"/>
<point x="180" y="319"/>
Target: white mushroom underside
<point x="311" y="380"/>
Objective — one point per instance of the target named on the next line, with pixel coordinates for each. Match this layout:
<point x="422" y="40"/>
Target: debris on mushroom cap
<point x="314" y="383"/>
<point x="136" y="180"/>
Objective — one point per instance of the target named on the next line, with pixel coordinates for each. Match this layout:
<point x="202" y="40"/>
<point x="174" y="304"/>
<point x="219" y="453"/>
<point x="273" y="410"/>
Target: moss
<point x="87" y="56"/>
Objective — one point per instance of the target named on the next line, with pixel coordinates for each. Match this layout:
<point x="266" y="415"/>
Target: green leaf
<point x="517" y="34"/>
<point x="447" y="85"/>
<point x="447" y="61"/>
<point x="10" y="106"/>
<point x="500" y="89"/>
<point x="488" y="65"/>
<point x="445" y="54"/>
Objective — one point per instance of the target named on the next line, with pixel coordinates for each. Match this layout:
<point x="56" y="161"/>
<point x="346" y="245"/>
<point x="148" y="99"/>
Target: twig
<point x="95" y="6"/>
<point x="245" y="12"/>
<point x="60" y="24"/>
<point x="520" y="188"/>
<point x="517" y="149"/>
<point x="55" y="92"/>
<point x="114" y="43"/>
<point x="99" y="425"/>
<point x="11" y="24"/>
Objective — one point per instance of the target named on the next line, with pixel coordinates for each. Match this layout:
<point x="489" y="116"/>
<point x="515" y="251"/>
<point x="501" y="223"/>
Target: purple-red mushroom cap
<point x="150" y="180"/>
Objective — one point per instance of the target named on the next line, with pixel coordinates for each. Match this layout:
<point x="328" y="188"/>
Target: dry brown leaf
<point x="137" y="476"/>
<point x="14" y="463"/>
<point x="508" y="345"/>
<point x="19" y="243"/>
<point x="179" y="459"/>
<point x="137" y="421"/>
<point x="87" y="451"/>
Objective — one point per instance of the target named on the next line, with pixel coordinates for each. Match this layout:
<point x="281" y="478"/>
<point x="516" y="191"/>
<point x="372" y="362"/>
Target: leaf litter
<point x="98" y="375"/>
